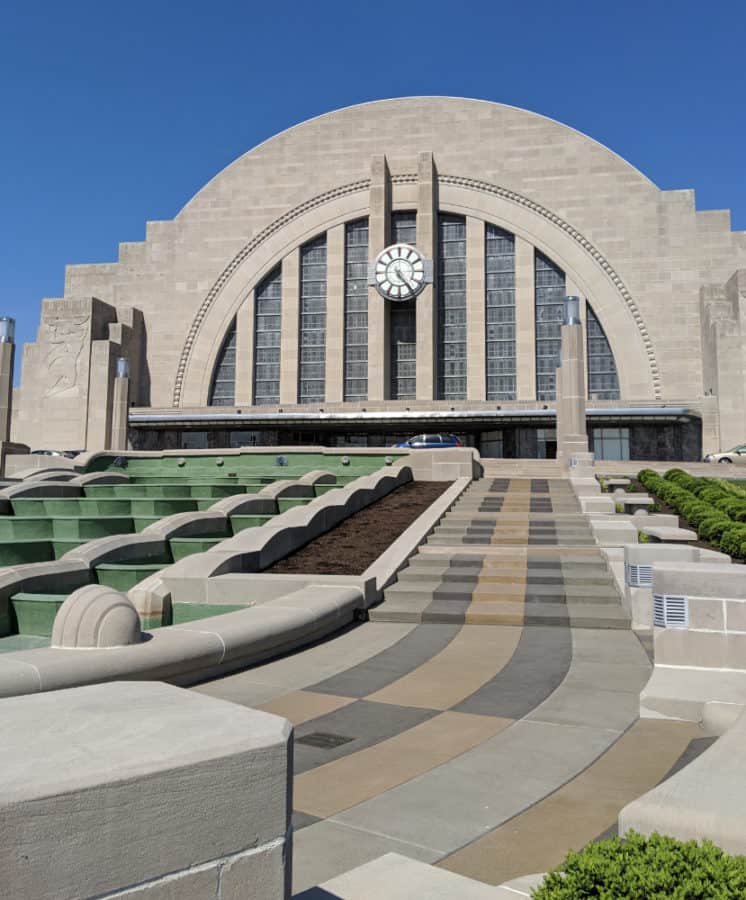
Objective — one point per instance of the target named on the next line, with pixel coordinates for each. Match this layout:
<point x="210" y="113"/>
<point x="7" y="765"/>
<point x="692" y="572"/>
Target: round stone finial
<point x="96" y="616"/>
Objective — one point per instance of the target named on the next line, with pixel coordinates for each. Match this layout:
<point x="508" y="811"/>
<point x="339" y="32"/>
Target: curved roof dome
<point x="475" y="138"/>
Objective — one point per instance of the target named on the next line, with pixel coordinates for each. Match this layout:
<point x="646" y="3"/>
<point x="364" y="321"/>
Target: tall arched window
<point x="451" y="308"/>
<point x="549" y="288"/>
<point x="603" y="381"/>
<point x="356" y="311"/>
<point x="267" y="332"/>
<point x="499" y="264"/>
<point x="223" y="387"/>
<point x="312" y="322"/>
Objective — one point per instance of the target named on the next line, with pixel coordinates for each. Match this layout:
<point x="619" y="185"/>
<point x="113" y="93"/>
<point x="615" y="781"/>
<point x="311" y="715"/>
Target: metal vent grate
<point x="638" y="575"/>
<point x="670" y="611"/>
<point x="323" y="740"/>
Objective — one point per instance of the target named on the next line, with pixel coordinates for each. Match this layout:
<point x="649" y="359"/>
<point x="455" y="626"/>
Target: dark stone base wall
<point x="647" y="441"/>
<point x="677" y="441"/>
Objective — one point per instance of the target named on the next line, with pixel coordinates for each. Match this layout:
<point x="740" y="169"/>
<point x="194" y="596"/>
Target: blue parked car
<point x="430" y="442"/>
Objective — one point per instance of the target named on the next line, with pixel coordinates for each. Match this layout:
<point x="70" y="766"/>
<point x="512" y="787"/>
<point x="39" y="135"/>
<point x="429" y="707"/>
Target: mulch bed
<point x="350" y="547"/>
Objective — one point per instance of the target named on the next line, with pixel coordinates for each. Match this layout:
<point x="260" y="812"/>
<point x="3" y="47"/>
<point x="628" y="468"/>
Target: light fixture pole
<point x="120" y="405"/>
<point x="7" y="355"/>
<point x="572" y="437"/>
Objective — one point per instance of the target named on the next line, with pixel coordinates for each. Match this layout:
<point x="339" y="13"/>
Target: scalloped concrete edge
<point x="73" y="570"/>
<point x="254" y="549"/>
<point x="222" y="589"/>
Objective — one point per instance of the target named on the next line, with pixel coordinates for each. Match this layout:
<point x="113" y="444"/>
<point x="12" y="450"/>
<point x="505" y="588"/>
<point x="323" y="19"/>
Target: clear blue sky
<point x="116" y="113"/>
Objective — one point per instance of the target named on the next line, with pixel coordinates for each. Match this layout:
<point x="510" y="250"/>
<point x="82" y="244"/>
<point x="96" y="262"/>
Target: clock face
<point x="400" y="272"/>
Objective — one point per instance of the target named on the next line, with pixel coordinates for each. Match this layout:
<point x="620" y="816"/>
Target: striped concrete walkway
<point x="486" y="748"/>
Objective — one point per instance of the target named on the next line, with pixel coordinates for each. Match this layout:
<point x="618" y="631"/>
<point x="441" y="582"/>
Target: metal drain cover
<point x="323" y="740"/>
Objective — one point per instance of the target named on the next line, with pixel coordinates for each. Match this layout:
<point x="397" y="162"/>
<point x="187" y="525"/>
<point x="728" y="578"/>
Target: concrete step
<point x="515" y="576"/>
<point x="465" y="590"/>
<point x="507" y="574"/>
<point x="534" y="527"/>
<point x="463" y="515"/>
<point x="587" y="615"/>
<point x="446" y="541"/>
<point x="501" y="556"/>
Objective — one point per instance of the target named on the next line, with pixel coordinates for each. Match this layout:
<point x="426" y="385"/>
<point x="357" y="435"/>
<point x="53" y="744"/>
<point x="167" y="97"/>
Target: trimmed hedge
<point x="715" y="508"/>
<point x="646" y="868"/>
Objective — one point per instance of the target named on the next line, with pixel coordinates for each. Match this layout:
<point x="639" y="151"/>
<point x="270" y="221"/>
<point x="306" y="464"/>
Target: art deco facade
<point x="255" y="315"/>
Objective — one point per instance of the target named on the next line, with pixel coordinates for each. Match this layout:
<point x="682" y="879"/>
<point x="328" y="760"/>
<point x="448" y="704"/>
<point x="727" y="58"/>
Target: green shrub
<point x="710" y="505"/>
<point x="646" y="868"/>
<point x="712" y="494"/>
<point x="694" y="511"/>
<point x="711" y="528"/>
<point x="732" y="539"/>
<point x="732" y="487"/>
<point x="646" y="477"/>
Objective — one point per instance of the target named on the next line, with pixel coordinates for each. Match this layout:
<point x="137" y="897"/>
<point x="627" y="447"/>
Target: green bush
<point x="646" y="868"/>
<point x="712" y="527"/>
<point x="732" y="540"/>
<point x="732" y="487"/>
<point x="714" y="507"/>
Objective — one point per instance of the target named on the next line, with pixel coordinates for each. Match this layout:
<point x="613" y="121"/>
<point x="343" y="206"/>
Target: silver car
<point x="737" y="455"/>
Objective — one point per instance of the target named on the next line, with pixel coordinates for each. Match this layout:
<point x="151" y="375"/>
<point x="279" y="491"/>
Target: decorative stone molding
<point x="96" y="616"/>
<point x="364" y="185"/>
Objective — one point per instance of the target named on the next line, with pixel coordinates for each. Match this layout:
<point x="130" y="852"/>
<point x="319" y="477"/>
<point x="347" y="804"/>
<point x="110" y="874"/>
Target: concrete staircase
<point x="512" y="551"/>
<point x="521" y="468"/>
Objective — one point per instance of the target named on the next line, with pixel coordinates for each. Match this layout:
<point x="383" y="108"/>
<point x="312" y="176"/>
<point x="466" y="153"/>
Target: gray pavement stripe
<point x="366" y="722"/>
<point x="539" y="664"/>
<point x="414" y="649"/>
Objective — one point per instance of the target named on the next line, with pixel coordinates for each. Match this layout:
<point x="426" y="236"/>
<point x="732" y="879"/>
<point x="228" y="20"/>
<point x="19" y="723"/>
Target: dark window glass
<point x="223" y="388"/>
<point x="603" y="382"/>
<point x="356" y="311"/>
<point x="267" y="331"/>
<point x="451" y="308"/>
<point x="499" y="264"/>
<point x="549" y="286"/>
<point x="312" y="322"/>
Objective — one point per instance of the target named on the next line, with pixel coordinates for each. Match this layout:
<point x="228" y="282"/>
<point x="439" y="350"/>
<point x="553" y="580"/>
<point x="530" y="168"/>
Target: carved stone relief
<point x="63" y="340"/>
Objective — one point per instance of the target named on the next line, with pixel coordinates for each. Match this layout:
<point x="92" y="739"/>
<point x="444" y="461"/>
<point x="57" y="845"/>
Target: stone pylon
<point x="572" y="437"/>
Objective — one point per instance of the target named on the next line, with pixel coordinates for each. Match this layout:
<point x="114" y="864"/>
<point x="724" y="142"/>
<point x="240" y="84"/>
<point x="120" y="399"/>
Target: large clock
<point x="400" y="272"/>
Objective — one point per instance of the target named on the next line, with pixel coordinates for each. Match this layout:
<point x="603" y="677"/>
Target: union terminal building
<point x="399" y="268"/>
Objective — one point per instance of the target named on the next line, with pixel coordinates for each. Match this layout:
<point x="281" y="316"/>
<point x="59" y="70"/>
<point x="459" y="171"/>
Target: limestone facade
<point x="666" y="282"/>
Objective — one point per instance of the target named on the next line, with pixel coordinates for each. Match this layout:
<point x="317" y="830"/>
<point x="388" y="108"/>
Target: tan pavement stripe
<point x="499" y="604"/>
<point x="338" y="785"/>
<point x="302" y="706"/>
<point x="516" y="533"/>
<point x="580" y="811"/>
<point x="484" y="613"/>
<point x="473" y="657"/>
